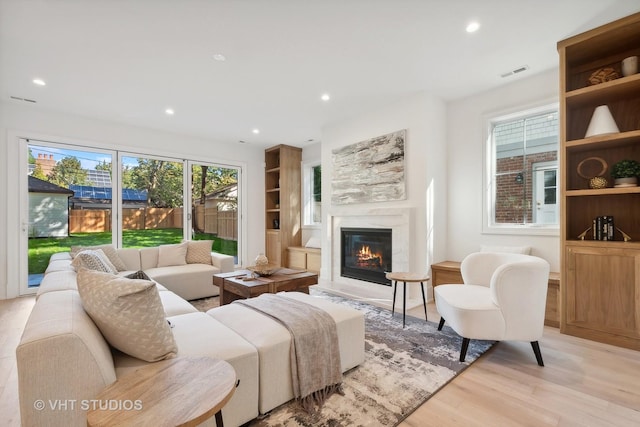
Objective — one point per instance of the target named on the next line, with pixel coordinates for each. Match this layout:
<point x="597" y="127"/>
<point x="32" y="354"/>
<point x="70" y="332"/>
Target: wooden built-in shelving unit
<point x="282" y="201"/>
<point x="600" y="280"/>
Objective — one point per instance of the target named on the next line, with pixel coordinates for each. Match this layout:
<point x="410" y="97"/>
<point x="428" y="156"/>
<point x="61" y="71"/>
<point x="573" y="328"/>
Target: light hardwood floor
<point x="583" y="383"/>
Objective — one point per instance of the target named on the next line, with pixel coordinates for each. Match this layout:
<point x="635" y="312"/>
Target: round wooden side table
<point x="405" y="277"/>
<point x="184" y="391"/>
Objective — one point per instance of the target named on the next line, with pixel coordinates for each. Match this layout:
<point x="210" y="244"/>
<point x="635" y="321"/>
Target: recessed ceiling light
<point x="325" y="97"/>
<point x="169" y="111"/>
<point x="472" y="27"/>
<point x="39" y="82"/>
<point x="219" y="57"/>
<point x="256" y="131"/>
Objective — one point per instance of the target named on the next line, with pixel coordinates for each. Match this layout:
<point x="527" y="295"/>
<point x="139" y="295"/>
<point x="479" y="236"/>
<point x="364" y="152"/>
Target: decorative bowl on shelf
<point x="264" y="270"/>
<point x="603" y="75"/>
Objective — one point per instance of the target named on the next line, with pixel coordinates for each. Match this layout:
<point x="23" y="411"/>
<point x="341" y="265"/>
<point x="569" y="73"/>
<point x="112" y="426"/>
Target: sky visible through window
<point x="88" y="159"/>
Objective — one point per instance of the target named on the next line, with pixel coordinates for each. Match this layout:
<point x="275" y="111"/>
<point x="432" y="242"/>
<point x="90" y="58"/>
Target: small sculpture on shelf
<point x="596" y="179"/>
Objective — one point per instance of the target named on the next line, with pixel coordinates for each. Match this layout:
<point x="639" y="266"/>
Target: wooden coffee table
<point x="184" y="391"/>
<point x="235" y="285"/>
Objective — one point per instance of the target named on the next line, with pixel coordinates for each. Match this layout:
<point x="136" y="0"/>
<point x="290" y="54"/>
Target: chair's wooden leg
<point x="441" y="324"/>
<point x="463" y="350"/>
<point x="536" y="350"/>
<point x="393" y="304"/>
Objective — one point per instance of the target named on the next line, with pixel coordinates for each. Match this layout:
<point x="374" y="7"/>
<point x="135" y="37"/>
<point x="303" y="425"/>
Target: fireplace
<point x="366" y="254"/>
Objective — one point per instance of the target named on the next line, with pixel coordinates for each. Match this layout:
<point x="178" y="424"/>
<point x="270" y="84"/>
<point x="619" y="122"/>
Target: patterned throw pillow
<point x="129" y="314"/>
<point x="169" y="255"/>
<point x="109" y="251"/>
<point x="140" y="275"/>
<point x="199" y="251"/>
<point x="93" y="260"/>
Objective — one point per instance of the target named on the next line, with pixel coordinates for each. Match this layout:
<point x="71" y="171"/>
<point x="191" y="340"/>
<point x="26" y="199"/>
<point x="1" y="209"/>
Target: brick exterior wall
<point x="514" y="201"/>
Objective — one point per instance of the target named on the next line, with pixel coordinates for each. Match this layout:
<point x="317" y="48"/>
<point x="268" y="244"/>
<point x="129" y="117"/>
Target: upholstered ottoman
<point x="196" y="335"/>
<point x="273" y="341"/>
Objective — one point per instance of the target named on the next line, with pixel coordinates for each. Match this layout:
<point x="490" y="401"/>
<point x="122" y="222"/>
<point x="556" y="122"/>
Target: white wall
<point x="34" y="122"/>
<point x="466" y="133"/>
<point x="423" y="116"/>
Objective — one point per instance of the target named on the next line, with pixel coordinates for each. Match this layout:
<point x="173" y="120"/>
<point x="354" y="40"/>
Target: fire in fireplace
<point x="366" y="254"/>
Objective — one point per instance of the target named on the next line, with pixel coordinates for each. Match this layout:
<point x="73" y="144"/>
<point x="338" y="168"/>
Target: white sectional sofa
<point x="63" y="355"/>
<point x="189" y="281"/>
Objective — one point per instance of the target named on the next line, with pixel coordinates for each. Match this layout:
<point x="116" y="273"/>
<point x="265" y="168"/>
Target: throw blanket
<point x="315" y="354"/>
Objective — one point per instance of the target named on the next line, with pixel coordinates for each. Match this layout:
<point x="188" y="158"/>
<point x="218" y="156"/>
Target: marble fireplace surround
<point x="400" y="221"/>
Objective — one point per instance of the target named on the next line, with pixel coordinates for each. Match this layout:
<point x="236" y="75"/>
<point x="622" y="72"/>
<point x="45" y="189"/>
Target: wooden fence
<point x="222" y="223"/>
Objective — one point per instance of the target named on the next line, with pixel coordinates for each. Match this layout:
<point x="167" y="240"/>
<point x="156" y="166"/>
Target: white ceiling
<point x="127" y="61"/>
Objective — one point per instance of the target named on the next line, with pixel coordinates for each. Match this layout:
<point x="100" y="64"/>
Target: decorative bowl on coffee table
<point x="264" y="270"/>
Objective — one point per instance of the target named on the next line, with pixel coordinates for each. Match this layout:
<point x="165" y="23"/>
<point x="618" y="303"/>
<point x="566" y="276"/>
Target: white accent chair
<point x="503" y="298"/>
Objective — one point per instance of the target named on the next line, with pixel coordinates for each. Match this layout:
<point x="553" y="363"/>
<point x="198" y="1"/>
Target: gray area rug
<point x="402" y="369"/>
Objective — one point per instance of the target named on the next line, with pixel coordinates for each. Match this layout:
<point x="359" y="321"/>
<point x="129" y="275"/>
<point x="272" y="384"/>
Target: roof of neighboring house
<point x="39" y="186"/>
<point x="225" y="192"/>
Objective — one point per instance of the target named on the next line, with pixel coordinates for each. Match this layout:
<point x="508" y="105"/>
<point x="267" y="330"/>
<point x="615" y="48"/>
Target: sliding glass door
<point x="214" y="206"/>
<point x="73" y="196"/>
<point x="152" y="200"/>
<point x="69" y="203"/>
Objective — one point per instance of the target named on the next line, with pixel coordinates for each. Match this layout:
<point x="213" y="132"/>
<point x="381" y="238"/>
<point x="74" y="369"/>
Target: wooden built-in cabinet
<point x="304" y="258"/>
<point x="600" y="287"/>
<point x="282" y="201"/>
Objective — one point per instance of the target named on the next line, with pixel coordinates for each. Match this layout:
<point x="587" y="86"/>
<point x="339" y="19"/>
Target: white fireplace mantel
<point x="399" y="220"/>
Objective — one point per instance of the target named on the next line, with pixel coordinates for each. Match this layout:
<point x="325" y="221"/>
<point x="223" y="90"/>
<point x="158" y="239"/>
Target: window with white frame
<point x="522" y="172"/>
<point x="312" y="191"/>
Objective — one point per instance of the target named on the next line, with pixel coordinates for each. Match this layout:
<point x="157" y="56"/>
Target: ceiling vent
<point x="17" y="98"/>
<point x="516" y="71"/>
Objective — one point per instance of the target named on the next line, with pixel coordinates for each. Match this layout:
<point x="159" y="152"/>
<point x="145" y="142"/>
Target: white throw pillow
<point x="93" y="260"/>
<point x="109" y="250"/>
<point x="199" y="251"/>
<point x="525" y="250"/>
<point x="169" y="255"/>
<point x="129" y="314"/>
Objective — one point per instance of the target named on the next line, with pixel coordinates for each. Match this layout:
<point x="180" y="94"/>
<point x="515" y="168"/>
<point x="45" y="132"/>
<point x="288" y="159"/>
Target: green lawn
<point x="41" y="249"/>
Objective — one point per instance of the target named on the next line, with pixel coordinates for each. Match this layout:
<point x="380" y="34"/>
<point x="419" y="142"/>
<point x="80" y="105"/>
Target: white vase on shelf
<point x="602" y="122"/>
<point x="629" y="66"/>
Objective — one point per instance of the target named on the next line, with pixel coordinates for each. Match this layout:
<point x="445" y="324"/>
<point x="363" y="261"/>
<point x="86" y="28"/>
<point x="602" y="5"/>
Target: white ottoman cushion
<point x="197" y="334"/>
<point x="273" y="341"/>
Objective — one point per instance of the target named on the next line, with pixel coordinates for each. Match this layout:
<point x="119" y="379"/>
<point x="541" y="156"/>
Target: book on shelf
<point x="603" y="228"/>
